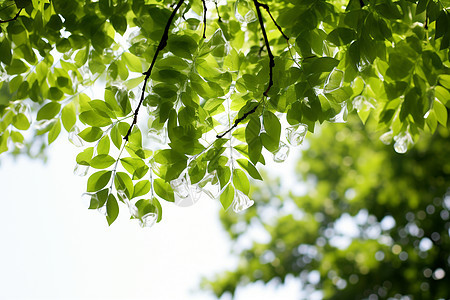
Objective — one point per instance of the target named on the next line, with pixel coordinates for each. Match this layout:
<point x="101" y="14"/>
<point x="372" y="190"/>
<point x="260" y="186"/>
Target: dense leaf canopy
<point x="371" y="224"/>
<point x="174" y="99"/>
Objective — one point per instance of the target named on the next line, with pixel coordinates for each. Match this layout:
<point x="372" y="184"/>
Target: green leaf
<point x="54" y="132"/>
<point x="253" y="139"/>
<point x="141" y="188"/>
<point x="133" y="62"/>
<point x="17" y="66"/>
<point x="341" y="36"/>
<point x="271" y="138"/>
<point x="91" y="134"/>
<point x="103" y="145"/>
<point x="163" y="190"/>
<point x="227" y="196"/>
<point x="48" y="111"/>
<point x="116" y="137"/>
<point x="112" y="209"/>
<point x="91" y="118"/>
<point x="5" y="52"/>
<point x="119" y="22"/>
<point x="21" y="122"/>
<point x="441" y="112"/>
<point x="124" y="183"/>
<point x="240" y="181"/>
<point x="68" y="116"/>
<point x="83" y="158"/>
<point x="102" y="161"/>
<point x="98" y="180"/>
<point x="249" y="167"/>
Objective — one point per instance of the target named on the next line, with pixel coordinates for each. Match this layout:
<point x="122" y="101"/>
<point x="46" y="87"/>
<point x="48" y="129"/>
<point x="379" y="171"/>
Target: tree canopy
<point x="371" y="224"/>
<point x="171" y="100"/>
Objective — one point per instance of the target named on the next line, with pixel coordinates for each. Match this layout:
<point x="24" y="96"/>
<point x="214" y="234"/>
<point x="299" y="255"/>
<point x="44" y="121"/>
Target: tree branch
<point x="258" y="6"/>
<point x="204" y="18"/>
<point x="237" y="121"/>
<point x="161" y="46"/>
<point x="266" y="42"/>
<point x="13" y="19"/>
<point x="266" y="7"/>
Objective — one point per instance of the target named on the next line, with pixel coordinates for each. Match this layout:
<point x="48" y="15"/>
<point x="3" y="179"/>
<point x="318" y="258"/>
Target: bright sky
<point x="53" y="248"/>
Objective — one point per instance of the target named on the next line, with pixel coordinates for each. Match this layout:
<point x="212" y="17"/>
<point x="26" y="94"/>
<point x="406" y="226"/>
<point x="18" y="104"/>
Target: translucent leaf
<point x="244" y="12"/>
<point x="281" y="154"/>
<point x="341" y="117"/>
<point x="241" y="202"/>
<point x="334" y="81"/>
<point x="148" y="220"/>
<point x="80" y="170"/>
<point x="402" y="142"/>
<point x="210" y="185"/>
<point x="386" y="138"/>
<point x="74" y="138"/>
<point x="296" y="134"/>
<point x="89" y="200"/>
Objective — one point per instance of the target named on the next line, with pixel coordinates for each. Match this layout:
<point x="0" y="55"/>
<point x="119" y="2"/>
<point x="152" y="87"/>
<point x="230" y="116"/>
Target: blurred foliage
<point x="370" y="221"/>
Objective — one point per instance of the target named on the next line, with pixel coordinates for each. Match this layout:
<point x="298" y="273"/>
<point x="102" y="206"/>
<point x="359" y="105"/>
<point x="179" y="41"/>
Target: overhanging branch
<point x="161" y="46"/>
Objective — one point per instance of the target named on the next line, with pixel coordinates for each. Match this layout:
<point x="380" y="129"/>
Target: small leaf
<point x="54" y="132"/>
<point x="163" y="190"/>
<point x="240" y="181"/>
<point x="68" y="116"/>
<point x="48" y="111"/>
<point x="112" y="209"/>
<point x="249" y="167"/>
<point x="91" y="134"/>
<point x="98" y="180"/>
<point x="141" y="188"/>
<point x="227" y="196"/>
<point x="102" y="161"/>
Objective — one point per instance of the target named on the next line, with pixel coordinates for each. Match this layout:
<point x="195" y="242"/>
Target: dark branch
<point x="13" y="19"/>
<point x="217" y="10"/>
<point x="266" y="7"/>
<point x="266" y="42"/>
<point x="204" y="18"/>
<point x="271" y="63"/>
<point x="161" y="46"/>
<point x="237" y="121"/>
<point x="361" y="3"/>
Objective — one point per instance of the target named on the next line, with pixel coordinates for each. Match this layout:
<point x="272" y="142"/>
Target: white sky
<point x="51" y="247"/>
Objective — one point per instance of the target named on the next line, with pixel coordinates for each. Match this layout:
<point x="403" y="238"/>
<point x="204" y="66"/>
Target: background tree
<point x="371" y="221"/>
<point x="172" y="100"/>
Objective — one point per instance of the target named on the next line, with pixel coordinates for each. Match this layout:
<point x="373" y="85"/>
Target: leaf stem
<point x="161" y="46"/>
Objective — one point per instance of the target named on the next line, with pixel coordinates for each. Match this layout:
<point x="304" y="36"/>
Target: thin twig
<point x="237" y="121"/>
<point x="13" y="19"/>
<point x="161" y="46"/>
<point x="266" y="7"/>
<point x="271" y="64"/>
<point x="266" y="41"/>
<point x="204" y="18"/>
<point x="217" y="10"/>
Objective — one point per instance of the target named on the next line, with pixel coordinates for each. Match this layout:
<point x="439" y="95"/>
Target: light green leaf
<point x="54" y="132"/>
<point x="249" y="167"/>
<point x="112" y="209"/>
<point x="102" y="161"/>
<point x="48" y="111"/>
<point x="141" y="188"/>
<point x="98" y="180"/>
<point x="227" y="196"/>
